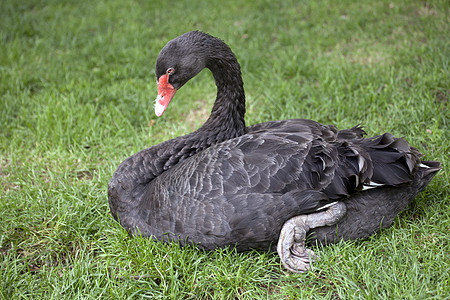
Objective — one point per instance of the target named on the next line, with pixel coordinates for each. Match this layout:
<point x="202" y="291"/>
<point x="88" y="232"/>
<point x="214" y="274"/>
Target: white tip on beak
<point x="159" y="108"/>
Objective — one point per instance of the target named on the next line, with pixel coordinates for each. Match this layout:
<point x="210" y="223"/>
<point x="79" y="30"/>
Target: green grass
<point x="77" y="88"/>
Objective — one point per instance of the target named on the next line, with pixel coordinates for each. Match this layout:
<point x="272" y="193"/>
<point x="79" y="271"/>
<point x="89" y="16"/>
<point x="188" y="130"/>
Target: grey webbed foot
<point x="291" y="243"/>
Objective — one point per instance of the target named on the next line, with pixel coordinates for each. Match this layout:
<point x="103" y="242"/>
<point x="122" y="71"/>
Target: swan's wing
<point x="245" y="188"/>
<point x="260" y="163"/>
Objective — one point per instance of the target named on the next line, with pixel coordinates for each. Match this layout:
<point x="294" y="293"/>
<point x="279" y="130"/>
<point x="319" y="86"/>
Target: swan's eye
<point x="170" y="71"/>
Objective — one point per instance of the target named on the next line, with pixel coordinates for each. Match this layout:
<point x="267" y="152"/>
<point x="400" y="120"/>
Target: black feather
<point x="227" y="184"/>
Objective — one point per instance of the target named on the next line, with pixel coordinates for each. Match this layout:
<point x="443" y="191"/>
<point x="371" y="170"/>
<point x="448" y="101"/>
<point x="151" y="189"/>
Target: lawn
<point x="77" y="87"/>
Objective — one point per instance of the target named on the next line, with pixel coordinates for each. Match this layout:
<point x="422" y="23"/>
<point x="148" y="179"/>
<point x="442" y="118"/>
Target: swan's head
<point x="179" y="61"/>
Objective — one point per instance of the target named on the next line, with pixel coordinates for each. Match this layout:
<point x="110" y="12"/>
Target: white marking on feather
<point x="365" y="187"/>
<point x="371" y="185"/>
<point x="424" y="166"/>
<point x="323" y="163"/>
<point x="327" y="205"/>
<point x="360" y="162"/>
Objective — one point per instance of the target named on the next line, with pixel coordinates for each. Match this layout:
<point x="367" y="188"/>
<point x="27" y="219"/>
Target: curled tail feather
<point x="371" y="162"/>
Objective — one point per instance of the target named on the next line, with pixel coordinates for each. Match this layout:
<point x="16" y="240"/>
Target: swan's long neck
<point x="227" y="115"/>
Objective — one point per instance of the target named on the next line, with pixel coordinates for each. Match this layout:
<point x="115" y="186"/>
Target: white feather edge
<point x="327" y="205"/>
<point x="371" y="185"/>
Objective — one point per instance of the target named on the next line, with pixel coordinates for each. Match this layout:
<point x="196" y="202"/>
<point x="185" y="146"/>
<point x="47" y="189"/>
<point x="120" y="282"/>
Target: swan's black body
<point x="227" y="184"/>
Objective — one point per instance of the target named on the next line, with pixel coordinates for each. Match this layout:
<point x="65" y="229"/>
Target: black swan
<point x="249" y="187"/>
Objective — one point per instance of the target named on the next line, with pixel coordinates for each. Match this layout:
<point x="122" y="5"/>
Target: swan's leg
<point x="291" y="243"/>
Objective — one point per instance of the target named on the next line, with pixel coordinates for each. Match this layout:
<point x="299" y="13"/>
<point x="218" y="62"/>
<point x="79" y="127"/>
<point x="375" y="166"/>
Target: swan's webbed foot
<point x="291" y="243"/>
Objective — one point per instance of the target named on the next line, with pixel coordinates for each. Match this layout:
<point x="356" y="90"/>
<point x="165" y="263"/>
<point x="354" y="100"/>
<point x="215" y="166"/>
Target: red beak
<point x="165" y="93"/>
